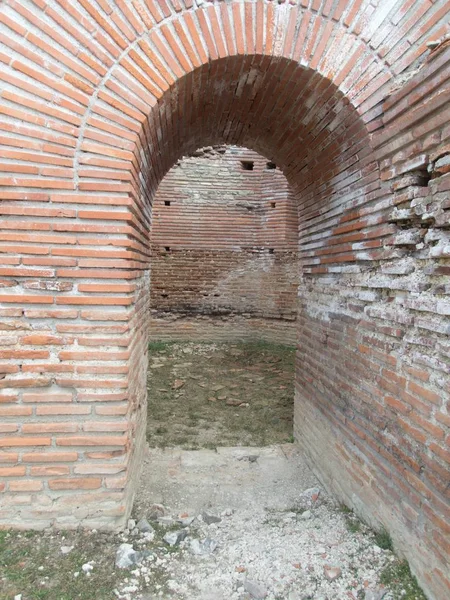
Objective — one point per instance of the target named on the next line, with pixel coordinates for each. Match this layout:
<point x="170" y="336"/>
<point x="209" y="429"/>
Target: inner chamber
<point x="224" y="261"/>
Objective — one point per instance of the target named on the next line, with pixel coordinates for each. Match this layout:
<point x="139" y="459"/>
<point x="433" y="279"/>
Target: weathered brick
<point x="80" y="483"/>
<point x="46" y="457"/>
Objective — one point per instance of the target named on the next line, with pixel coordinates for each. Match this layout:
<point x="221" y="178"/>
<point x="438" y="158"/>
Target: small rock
<point x="256" y="590"/>
<point x="166" y="521"/>
<point x="175" y="537"/>
<point x="375" y="594"/>
<point x="433" y="44"/>
<point x="131" y="524"/>
<point x="87" y="568"/>
<point x="222" y="397"/>
<point x="126" y="556"/>
<point x="156" y="511"/>
<point x="186" y="521"/>
<point x="148" y="536"/>
<point x="209" y="518"/>
<point x="18" y="597"/>
<point x="332" y="573"/>
<point x="233" y="402"/>
<point x="144" y="526"/>
<point x="206" y="546"/>
<point x="310" y="496"/>
<point x="177" y="384"/>
<point x="66" y="549"/>
<point x="306" y="515"/>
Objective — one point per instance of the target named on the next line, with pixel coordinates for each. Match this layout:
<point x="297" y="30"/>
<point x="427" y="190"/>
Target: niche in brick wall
<point x="232" y="235"/>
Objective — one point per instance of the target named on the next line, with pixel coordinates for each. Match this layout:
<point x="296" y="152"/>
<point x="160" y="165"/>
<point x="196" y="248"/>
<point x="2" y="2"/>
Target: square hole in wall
<point x="270" y="166"/>
<point x="166" y="202"/>
<point x="273" y="204"/>
<point x="167" y="248"/>
<point x="247" y="165"/>
<point x="271" y="250"/>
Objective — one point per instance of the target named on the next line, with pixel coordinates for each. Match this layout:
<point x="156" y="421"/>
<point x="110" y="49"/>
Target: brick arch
<point x="91" y="93"/>
<point x="161" y="59"/>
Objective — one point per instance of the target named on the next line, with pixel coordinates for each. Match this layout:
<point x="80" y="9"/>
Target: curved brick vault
<point x="99" y="98"/>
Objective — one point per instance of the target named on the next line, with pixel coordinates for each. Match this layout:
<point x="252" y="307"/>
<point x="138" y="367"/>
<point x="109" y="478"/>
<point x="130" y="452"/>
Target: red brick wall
<point x="373" y="373"/>
<point x="224" y="245"/>
<point x="98" y="102"/>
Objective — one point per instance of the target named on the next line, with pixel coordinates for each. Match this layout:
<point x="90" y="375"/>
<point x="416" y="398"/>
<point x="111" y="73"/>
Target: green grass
<point x="402" y="583"/>
<point x="352" y="522"/>
<point x="21" y="555"/>
<point x="383" y="540"/>
<point x="353" y="525"/>
<point x="159" y="346"/>
<point x="344" y="509"/>
<point x="197" y="415"/>
<point x="257" y="349"/>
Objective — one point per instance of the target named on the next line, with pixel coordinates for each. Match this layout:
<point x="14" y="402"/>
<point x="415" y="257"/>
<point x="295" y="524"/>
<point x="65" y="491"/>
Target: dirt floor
<point x="209" y="395"/>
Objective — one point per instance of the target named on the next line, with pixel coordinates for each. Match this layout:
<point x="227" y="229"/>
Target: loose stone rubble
<point x="267" y="543"/>
<point x="259" y="554"/>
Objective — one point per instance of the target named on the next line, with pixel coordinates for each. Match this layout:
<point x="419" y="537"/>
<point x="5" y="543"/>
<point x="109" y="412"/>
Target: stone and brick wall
<point x="224" y="239"/>
<point x="98" y="100"/>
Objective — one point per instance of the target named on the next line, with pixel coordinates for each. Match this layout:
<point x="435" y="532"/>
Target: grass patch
<point x="353" y="525"/>
<point x="256" y="350"/>
<point x="384" y="540"/>
<point x="32" y="564"/>
<point x="159" y="346"/>
<point x="344" y="509"/>
<point x="402" y="583"/>
<point x="352" y="522"/>
<point x="208" y="395"/>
